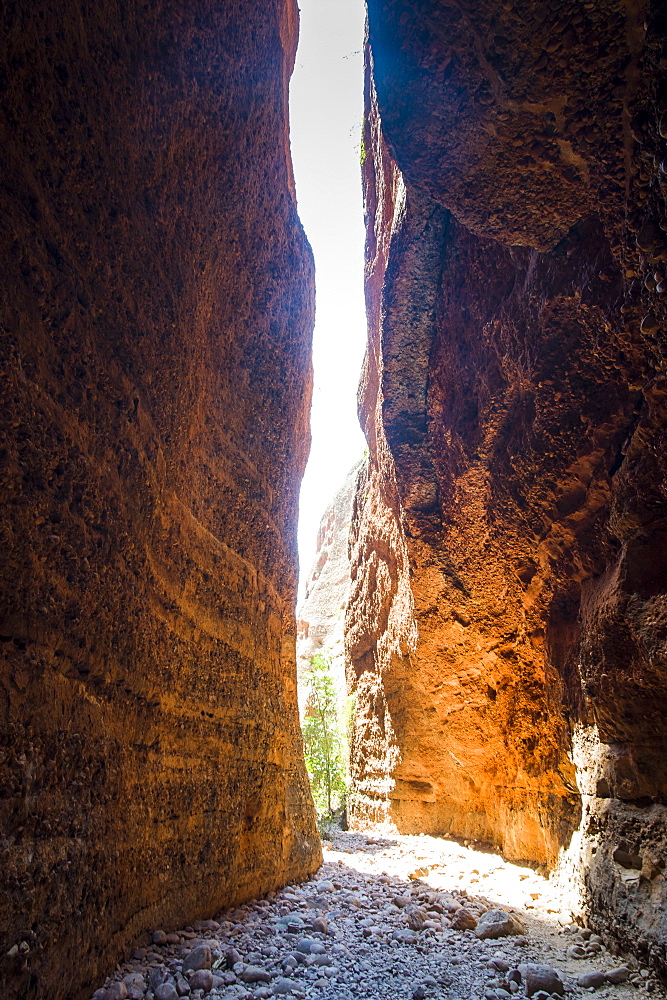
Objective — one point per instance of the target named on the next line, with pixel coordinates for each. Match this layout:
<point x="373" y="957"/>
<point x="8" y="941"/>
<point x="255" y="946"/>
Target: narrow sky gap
<point x="326" y="108"/>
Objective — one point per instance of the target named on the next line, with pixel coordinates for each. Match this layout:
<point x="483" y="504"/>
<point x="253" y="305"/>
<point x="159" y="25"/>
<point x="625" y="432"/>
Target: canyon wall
<point x="156" y="314"/>
<point x="507" y="622"/>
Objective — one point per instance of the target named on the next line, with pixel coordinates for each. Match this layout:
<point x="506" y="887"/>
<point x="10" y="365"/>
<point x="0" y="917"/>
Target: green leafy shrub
<point x="323" y="741"/>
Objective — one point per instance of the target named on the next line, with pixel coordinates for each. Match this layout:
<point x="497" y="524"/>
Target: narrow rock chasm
<point x="504" y="627"/>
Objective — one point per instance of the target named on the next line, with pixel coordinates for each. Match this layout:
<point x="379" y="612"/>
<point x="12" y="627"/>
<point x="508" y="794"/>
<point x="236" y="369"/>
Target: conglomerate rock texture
<point x="156" y="309"/>
<point x="509" y="540"/>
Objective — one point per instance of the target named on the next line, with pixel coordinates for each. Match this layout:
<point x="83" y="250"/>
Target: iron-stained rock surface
<point x="156" y="311"/>
<point x="508" y="546"/>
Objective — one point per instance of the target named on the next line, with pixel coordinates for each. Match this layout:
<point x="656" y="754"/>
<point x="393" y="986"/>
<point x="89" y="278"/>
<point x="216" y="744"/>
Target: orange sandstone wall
<point x="156" y="308"/>
<point x="506" y="624"/>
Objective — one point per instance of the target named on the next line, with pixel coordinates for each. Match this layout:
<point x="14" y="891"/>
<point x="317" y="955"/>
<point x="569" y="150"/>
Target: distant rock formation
<point x="321" y="614"/>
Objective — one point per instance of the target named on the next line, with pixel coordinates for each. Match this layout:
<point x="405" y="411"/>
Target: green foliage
<point x="323" y="742"/>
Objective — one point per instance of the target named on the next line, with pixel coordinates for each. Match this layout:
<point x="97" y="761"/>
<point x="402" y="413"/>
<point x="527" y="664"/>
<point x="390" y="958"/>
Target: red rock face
<point x="508" y="559"/>
<point x="156" y="312"/>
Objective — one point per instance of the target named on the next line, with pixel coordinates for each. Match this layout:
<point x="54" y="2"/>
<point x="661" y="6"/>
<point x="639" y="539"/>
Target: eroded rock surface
<point x="508" y="555"/>
<point x="156" y="309"/>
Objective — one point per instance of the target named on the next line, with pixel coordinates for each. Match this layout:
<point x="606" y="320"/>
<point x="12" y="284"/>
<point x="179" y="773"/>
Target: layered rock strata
<point x="156" y="312"/>
<point x="508" y="544"/>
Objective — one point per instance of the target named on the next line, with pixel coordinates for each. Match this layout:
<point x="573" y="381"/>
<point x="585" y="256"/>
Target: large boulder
<point x="497" y="923"/>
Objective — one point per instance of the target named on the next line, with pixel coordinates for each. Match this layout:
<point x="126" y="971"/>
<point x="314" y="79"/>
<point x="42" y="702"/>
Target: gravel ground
<point x="388" y="918"/>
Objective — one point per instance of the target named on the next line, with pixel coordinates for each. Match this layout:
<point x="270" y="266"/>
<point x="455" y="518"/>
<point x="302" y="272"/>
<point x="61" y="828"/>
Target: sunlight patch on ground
<point x="446" y="865"/>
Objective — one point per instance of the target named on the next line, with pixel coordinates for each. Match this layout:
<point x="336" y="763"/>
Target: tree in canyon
<point x="323" y="740"/>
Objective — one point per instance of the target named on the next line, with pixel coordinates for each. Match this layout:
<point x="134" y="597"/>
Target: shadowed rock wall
<point x="508" y="546"/>
<point x="156" y="311"/>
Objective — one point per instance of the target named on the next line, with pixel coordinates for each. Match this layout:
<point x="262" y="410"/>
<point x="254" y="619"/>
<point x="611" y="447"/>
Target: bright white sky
<point x="326" y="108"/>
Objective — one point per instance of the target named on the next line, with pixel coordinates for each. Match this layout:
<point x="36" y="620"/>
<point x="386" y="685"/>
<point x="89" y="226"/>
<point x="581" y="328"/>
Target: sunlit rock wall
<point x="156" y="312"/>
<point x="509" y="542"/>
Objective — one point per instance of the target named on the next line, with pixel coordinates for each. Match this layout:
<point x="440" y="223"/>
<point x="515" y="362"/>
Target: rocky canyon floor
<point x="388" y="917"/>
